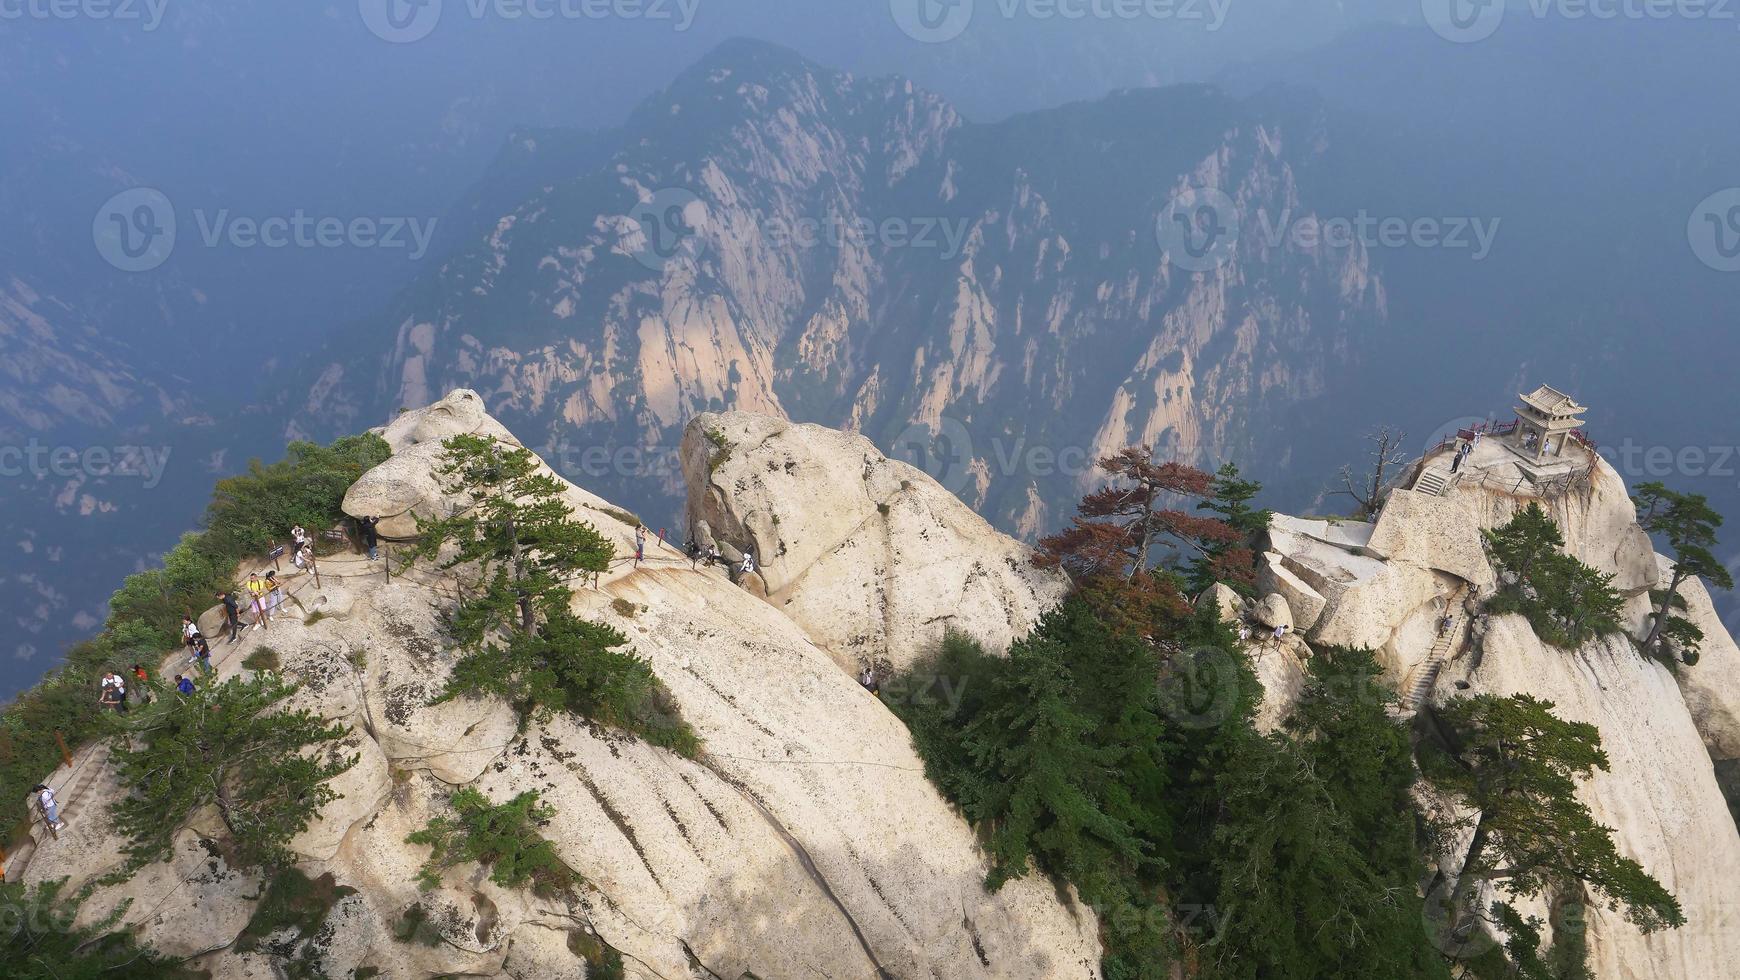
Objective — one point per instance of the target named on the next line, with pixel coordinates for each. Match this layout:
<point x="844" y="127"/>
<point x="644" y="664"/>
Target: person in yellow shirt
<point x="257" y="591"/>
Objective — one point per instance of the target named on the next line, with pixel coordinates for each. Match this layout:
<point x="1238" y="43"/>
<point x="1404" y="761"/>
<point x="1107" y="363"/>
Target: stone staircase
<point x="1434" y="482"/>
<point x="1427" y="673"/>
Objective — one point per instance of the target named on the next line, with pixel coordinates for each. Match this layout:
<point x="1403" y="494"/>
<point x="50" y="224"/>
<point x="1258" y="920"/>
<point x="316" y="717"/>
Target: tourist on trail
<point x="1280" y="631"/>
<point x="694" y="553"/>
<point x="45" y="798"/>
<point x="274" y="593"/>
<point x="184" y="685"/>
<point x="1244" y="632"/>
<point x="114" y="694"/>
<point x="371" y="537"/>
<point x="298" y="537"/>
<point x="257" y="599"/>
<point x="304" y="558"/>
<point x="189" y="630"/>
<point x="639" y="545"/>
<point x="748" y="563"/>
<point x="713" y="555"/>
<point x="232" y="614"/>
<point x="140" y="683"/>
<point x="868" y="680"/>
<point x="202" y="656"/>
<point x="1444" y="624"/>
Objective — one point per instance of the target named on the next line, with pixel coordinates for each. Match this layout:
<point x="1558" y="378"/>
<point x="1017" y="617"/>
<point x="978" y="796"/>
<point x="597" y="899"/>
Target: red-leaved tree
<point x="1119" y="528"/>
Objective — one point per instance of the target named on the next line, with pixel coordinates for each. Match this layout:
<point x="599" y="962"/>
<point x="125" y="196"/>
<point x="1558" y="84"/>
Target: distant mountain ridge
<point x="1005" y="292"/>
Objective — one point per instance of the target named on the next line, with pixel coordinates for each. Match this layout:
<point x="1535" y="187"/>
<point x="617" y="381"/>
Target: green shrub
<point x="263" y="658"/>
<point x="247" y="513"/>
<point x="41" y="941"/>
<point x="504" y="838"/>
<point x="292" y="901"/>
<point x="232" y="747"/>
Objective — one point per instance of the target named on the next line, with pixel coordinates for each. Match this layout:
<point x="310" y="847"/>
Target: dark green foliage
<point x="263" y="658"/>
<point x="520" y="535"/>
<point x="521" y="546"/>
<point x="1299" y="892"/>
<point x="39" y="941"/>
<point x="1522" y="959"/>
<point x="603" y="962"/>
<point x="298" y="904"/>
<point x="503" y="837"/>
<point x="414" y="927"/>
<point x="1517" y="765"/>
<point x="1689" y="524"/>
<point x="1058" y="753"/>
<point x="247" y="513"/>
<point x="232" y="746"/>
<point x="1316" y="851"/>
<point x="1565" y="601"/>
<point x="575" y="666"/>
<point x="1231" y="562"/>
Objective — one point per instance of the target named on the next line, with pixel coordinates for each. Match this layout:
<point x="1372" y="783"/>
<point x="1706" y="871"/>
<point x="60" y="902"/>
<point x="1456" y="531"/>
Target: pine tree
<point x="1689" y="523"/>
<point x="1119" y="527"/>
<point x="520" y="545"/>
<point x="233" y="747"/>
<point x="520" y="536"/>
<point x="1529" y="537"/>
<point x="1231" y="561"/>
<point x="1516" y="765"/>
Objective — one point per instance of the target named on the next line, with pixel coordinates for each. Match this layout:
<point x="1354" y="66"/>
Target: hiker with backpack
<point x="50" y="805"/>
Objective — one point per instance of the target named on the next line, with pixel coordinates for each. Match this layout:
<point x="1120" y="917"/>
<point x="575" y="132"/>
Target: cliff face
<point x="806" y="838"/>
<point x="1386" y="585"/>
<point x="779" y="238"/>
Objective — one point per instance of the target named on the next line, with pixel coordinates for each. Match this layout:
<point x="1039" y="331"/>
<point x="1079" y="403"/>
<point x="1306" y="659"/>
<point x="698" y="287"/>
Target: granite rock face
<point x="804" y="840"/>
<point x="869" y="555"/>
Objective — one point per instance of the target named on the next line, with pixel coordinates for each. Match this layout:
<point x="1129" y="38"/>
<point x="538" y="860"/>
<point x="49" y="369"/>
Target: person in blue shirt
<point x="183" y="684"/>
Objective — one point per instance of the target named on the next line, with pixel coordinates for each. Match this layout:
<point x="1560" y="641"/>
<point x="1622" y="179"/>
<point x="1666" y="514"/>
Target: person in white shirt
<point x="748" y="563"/>
<point x="50" y="806"/>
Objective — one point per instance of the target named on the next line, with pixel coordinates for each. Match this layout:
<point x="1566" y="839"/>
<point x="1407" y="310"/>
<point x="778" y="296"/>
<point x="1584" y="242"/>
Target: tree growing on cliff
<point x="1121" y="526"/>
<point x="520" y="543"/>
<point x="232" y="747"/>
<point x="1231" y="561"/>
<point x="1565" y="601"/>
<point x="1689" y="524"/>
<point x="1386" y="455"/>
<point x="1516" y="765"/>
<point x="519" y="535"/>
